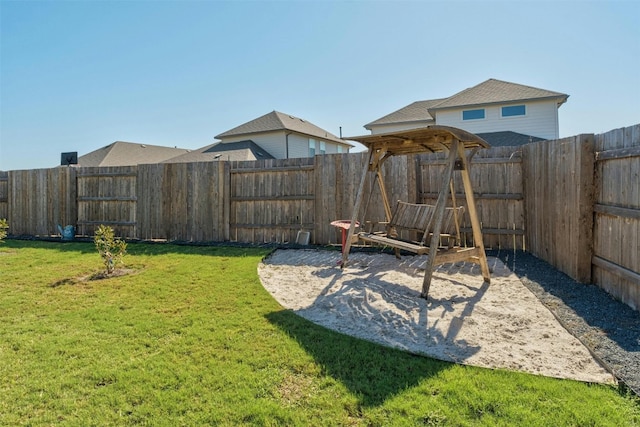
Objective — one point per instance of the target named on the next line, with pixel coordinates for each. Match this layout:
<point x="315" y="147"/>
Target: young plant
<point x="3" y="228"/>
<point x="110" y="248"/>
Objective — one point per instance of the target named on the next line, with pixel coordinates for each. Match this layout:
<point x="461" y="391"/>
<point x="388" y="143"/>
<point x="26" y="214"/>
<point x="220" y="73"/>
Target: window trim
<point x="502" y="115"/>
<point x="312" y="147"/>
<point x="484" y="114"/>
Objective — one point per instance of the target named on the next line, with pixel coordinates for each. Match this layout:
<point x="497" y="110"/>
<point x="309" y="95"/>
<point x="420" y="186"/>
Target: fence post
<point x="586" y="170"/>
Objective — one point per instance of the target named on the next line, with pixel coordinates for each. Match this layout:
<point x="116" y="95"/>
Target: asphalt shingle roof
<point x="241" y="150"/>
<point x="415" y="112"/>
<point x="488" y="92"/>
<point x="275" y="121"/>
<point x="122" y="153"/>
<point x="496" y="91"/>
<point x="507" y="138"/>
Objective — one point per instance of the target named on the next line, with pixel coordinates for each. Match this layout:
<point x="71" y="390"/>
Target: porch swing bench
<point x="413" y="218"/>
<point x="430" y="225"/>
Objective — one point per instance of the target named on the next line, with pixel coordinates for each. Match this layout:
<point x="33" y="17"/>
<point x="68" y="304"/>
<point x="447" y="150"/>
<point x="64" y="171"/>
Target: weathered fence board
<point x="107" y="195"/>
<point x="41" y="199"/>
<point x="616" y="261"/>
<point x="496" y="175"/>
<point x="559" y="195"/>
<point x="183" y="201"/>
<point x="271" y="200"/>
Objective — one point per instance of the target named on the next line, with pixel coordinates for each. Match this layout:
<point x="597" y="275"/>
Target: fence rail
<point x="573" y="202"/>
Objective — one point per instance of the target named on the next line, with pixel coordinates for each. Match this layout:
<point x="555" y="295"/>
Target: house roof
<point x="122" y="153"/>
<point x="488" y="92"/>
<point x="415" y="112"/>
<point x="241" y="150"/>
<point x="507" y="138"/>
<point x="497" y="91"/>
<point x="275" y="121"/>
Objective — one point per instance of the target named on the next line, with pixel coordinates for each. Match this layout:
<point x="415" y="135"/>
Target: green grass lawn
<point x="190" y="337"/>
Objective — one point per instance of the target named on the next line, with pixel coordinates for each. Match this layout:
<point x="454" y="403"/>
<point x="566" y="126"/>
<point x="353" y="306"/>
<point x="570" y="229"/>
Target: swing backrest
<point x="419" y="218"/>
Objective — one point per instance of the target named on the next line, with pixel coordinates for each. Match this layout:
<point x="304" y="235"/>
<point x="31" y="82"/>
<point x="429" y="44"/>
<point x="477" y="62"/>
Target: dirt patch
<point x="101" y="275"/>
<point x="377" y="298"/>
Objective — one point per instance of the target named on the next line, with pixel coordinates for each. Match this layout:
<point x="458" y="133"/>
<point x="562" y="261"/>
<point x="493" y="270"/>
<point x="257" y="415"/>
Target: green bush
<point x="110" y="248"/>
<point x="3" y="228"/>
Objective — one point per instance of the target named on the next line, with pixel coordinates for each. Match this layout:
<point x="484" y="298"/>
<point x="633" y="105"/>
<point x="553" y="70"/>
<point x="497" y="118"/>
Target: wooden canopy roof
<point x="430" y="139"/>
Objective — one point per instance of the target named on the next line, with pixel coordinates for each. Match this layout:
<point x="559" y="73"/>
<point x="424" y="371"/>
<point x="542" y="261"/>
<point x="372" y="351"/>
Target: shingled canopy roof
<point x="430" y="139"/>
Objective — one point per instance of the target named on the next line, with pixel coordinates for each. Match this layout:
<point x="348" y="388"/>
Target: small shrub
<point x="110" y="248"/>
<point x="3" y="228"/>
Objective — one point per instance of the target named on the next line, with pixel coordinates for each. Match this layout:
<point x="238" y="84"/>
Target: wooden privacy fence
<point x="616" y="231"/>
<point x="559" y="203"/>
<point x="36" y="201"/>
<point x="497" y="180"/>
<point x="270" y="201"/>
<point x="573" y="202"/>
<point x="251" y="201"/>
<point x="183" y="201"/>
<point x="107" y="195"/>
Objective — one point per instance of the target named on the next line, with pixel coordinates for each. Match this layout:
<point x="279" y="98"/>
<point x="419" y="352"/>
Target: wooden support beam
<point x="356" y="208"/>
<point x="473" y="216"/>
<point x="383" y="192"/>
<point x="458" y="254"/>
<point x="437" y="220"/>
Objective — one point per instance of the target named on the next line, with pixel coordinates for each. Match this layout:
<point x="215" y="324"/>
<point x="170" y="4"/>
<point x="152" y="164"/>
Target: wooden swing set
<point x="434" y="224"/>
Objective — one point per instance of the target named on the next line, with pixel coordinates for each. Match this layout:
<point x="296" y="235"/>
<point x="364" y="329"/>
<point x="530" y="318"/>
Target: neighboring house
<point x="241" y="150"/>
<point x="284" y="136"/>
<point x="495" y="108"/>
<point x="129" y="154"/>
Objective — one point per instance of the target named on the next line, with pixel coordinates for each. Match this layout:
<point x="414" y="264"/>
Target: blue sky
<point x="78" y="75"/>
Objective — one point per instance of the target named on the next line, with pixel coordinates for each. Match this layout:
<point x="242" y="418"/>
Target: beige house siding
<point x="541" y="119"/>
<point x="272" y="142"/>
<point x="285" y="144"/>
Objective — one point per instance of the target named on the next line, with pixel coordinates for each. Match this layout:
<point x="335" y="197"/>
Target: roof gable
<point x="495" y="91"/>
<point x="122" y="153"/>
<point x="277" y="121"/>
<point x="417" y="111"/>
<point x="241" y="150"/>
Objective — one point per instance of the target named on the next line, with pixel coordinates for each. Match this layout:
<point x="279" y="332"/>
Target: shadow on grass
<point x="371" y="372"/>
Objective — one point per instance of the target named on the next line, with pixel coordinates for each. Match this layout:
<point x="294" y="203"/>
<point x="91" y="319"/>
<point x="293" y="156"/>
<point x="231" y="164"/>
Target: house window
<point x="513" y="110"/>
<point x="312" y="147"/>
<point x="473" y="114"/>
<point x="323" y="147"/>
<point x="339" y="148"/>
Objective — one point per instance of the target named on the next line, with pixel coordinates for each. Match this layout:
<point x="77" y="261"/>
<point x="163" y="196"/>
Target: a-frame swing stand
<point x="429" y="139"/>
